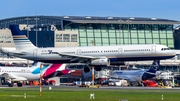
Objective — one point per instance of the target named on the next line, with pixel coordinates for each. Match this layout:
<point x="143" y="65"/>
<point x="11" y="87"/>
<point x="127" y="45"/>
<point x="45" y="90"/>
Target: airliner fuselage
<point x="91" y="55"/>
<point x="113" y="53"/>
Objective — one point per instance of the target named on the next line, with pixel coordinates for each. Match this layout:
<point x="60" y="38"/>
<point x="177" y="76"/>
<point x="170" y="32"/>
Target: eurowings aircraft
<point x="91" y="55"/>
<point x="137" y="76"/>
<point x="16" y="74"/>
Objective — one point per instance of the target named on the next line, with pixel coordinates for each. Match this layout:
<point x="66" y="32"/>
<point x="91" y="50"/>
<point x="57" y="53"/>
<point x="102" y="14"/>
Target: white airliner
<point x="16" y="74"/>
<point x="92" y="56"/>
<point x="137" y="76"/>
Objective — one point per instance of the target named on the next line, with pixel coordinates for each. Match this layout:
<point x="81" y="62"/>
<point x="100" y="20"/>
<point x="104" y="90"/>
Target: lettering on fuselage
<point x="43" y="52"/>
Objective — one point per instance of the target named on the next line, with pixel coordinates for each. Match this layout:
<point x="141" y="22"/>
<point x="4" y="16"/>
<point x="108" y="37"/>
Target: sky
<point x="164" y="9"/>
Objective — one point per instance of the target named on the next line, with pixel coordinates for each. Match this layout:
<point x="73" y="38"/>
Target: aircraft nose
<point x="173" y="52"/>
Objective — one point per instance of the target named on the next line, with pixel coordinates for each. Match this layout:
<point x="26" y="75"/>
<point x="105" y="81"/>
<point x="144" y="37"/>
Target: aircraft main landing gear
<point x="19" y="84"/>
<point x="11" y="84"/>
<point x="2" y="80"/>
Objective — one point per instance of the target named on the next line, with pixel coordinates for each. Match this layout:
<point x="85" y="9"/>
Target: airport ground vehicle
<point x="149" y="83"/>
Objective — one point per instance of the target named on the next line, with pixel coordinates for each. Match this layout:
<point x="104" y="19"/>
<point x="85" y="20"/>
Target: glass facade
<point x="123" y="34"/>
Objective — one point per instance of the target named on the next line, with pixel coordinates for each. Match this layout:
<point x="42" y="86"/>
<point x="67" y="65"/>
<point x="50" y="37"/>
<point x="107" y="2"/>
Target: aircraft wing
<point x="13" y="77"/>
<point x="7" y="75"/>
<point x="119" y="78"/>
<point x="16" y="52"/>
<point x="124" y="78"/>
<point x="77" y="57"/>
<point x="11" y="53"/>
<point x="3" y="51"/>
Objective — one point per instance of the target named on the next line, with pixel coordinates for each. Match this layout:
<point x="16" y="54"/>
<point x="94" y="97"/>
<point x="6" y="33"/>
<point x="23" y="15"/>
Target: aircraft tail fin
<point x="55" y="70"/>
<point x="155" y="66"/>
<point x="36" y="64"/>
<point x="20" y="39"/>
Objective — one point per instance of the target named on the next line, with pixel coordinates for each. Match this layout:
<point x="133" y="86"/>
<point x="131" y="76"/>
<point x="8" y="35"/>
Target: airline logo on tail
<point x="52" y="70"/>
<point x="56" y="70"/>
<point x="37" y="70"/>
<point x="19" y="38"/>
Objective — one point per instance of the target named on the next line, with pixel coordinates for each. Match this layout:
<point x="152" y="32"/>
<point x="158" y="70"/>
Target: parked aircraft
<point x="137" y="76"/>
<point x="16" y="74"/>
<point x="91" y="55"/>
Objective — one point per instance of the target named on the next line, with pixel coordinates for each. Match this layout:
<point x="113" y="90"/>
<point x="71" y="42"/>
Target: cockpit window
<point x="163" y="49"/>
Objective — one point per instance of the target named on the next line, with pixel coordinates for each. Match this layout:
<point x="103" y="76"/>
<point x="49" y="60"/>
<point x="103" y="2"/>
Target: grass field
<point x="84" y="95"/>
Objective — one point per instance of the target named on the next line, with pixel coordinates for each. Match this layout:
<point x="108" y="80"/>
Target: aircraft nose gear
<point x="86" y="69"/>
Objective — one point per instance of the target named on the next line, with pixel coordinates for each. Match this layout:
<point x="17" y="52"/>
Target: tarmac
<point x="100" y="88"/>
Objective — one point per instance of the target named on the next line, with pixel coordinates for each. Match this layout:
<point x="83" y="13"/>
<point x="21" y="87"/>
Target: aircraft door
<point x="153" y="49"/>
<point x="120" y="51"/>
<point x="78" y="52"/>
<point x="35" y="53"/>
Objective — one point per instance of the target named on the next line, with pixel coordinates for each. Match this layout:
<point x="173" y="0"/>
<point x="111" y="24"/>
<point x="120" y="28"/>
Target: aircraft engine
<point x="100" y="62"/>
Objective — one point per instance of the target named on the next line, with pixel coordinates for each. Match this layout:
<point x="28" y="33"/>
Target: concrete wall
<point x="65" y="44"/>
<point x="5" y="35"/>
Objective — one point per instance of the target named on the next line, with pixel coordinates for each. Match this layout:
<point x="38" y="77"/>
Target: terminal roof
<point x="112" y="20"/>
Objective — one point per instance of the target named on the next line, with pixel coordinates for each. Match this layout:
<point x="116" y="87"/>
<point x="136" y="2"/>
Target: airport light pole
<point x="92" y="69"/>
<point x="120" y="31"/>
<point x="92" y="75"/>
<point x="36" y="29"/>
<point x="27" y="34"/>
<point x="27" y="26"/>
<point x="40" y="79"/>
<point x="128" y="29"/>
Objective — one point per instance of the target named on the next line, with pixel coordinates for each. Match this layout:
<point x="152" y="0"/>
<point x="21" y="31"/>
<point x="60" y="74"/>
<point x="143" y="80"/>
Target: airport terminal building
<point x="68" y="31"/>
<point x="61" y="31"/>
